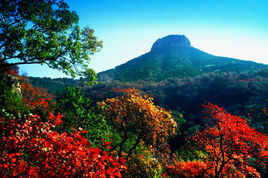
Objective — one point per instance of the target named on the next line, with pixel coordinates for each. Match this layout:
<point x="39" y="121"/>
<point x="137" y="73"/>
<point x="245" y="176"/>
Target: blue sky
<point x="128" y="28"/>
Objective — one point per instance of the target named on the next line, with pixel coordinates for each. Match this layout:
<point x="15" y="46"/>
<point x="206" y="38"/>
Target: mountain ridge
<point x="173" y="56"/>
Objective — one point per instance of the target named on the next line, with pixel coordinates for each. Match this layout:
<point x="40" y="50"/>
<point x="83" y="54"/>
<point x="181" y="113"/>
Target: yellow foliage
<point x="137" y="113"/>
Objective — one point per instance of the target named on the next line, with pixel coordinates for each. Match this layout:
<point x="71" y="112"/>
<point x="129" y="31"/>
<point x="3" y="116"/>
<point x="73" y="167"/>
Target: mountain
<point x="173" y="56"/>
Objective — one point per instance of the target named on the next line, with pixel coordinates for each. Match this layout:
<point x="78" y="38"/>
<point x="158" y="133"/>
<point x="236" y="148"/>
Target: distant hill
<point x="54" y="86"/>
<point x="173" y="56"/>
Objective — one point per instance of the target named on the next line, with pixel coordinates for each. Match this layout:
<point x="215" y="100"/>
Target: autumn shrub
<point x="136" y="117"/>
<point x="35" y="98"/>
<point x="30" y="147"/>
<point x="188" y="169"/>
<point x="232" y="148"/>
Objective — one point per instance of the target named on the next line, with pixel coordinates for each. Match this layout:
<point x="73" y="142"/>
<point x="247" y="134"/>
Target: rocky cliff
<point x="171" y="42"/>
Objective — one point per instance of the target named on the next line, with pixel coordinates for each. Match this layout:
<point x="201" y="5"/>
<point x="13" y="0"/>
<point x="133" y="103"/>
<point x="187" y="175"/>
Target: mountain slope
<point x="173" y="56"/>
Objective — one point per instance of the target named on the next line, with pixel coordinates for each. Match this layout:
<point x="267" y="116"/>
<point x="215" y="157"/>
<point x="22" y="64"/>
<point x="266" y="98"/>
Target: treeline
<point x="55" y="86"/>
<point x="242" y="94"/>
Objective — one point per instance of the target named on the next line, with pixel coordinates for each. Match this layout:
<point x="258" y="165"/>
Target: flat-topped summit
<point x="171" y="41"/>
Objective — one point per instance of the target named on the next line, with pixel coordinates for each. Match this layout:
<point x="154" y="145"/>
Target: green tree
<point x="45" y="32"/>
<point x="78" y="111"/>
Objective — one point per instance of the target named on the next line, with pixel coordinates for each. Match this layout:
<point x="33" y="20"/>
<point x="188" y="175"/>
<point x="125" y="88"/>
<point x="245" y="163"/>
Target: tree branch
<point x="20" y="63"/>
<point x="134" y="146"/>
<point x="122" y="143"/>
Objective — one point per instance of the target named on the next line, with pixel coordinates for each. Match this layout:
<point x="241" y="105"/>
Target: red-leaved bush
<point x="232" y="144"/>
<point x="233" y="148"/>
<point x="34" y="97"/>
<point x="188" y="169"/>
<point x="30" y="147"/>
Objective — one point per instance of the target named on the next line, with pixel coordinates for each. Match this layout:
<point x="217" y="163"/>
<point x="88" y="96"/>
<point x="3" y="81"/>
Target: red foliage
<point x="12" y="72"/>
<point x="231" y="143"/>
<point x="120" y="90"/>
<point x="248" y="80"/>
<point x="34" y="96"/>
<point x="30" y="147"/>
<point x="188" y="169"/>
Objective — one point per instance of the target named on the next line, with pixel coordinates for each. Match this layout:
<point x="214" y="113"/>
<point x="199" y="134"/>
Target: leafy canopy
<point x="135" y="114"/>
<point x="78" y="111"/>
<point x="45" y="32"/>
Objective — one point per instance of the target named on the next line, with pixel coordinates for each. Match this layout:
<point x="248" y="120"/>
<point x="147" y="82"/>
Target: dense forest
<point x="175" y="111"/>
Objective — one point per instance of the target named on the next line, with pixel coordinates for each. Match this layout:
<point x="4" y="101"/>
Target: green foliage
<point x="178" y="117"/>
<point x="258" y="117"/>
<point x="79" y="112"/>
<point x="187" y="153"/>
<point x="117" y="139"/>
<point x="45" y="32"/>
<point x="10" y="99"/>
<point x="143" y="164"/>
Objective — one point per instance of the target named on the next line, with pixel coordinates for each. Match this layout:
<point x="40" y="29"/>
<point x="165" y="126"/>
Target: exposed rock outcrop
<point x="171" y="41"/>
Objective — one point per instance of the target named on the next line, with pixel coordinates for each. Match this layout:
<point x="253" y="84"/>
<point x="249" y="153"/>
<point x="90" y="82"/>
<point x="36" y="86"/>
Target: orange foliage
<point x="138" y="114"/>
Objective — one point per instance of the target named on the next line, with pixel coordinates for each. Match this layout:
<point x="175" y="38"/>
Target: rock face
<point x="171" y="41"/>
